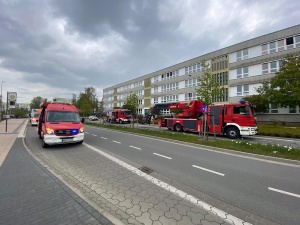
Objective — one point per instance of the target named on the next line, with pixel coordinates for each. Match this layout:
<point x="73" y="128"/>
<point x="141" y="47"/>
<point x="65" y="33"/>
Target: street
<point x="266" y="189"/>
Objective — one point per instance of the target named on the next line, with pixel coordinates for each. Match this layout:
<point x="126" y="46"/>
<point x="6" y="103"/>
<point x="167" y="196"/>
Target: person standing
<point x="152" y="120"/>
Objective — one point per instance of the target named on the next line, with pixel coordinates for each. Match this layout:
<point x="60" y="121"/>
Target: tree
<point x="259" y="101"/>
<point x="87" y="102"/>
<point x="36" y="102"/>
<point x="209" y="90"/>
<point x="283" y="89"/>
<point x="132" y="102"/>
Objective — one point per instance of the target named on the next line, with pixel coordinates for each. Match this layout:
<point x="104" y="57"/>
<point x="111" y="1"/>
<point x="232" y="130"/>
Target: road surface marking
<point x="86" y="132"/>
<point x="211" y="171"/>
<point x="104" y="138"/>
<point x="117" y="142"/>
<point x="284" y="192"/>
<point x="172" y="189"/>
<point x="95" y="135"/>
<point x="135" y="147"/>
<point x="162" y="156"/>
<point x="233" y="153"/>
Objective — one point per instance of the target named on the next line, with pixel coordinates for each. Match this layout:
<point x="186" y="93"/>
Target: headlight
<point x="49" y="131"/>
<point x="81" y="130"/>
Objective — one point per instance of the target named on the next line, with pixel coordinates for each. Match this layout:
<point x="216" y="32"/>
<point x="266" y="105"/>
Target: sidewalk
<point x="29" y="193"/>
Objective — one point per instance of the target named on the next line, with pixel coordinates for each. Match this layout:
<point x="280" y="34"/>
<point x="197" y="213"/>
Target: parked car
<point x="93" y="118"/>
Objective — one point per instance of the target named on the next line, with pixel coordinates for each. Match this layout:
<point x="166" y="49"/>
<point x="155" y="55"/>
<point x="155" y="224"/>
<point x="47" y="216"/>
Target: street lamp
<point x="1" y="101"/>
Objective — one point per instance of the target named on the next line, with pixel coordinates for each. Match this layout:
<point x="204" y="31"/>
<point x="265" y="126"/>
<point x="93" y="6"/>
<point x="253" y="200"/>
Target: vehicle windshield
<point x="127" y="112"/>
<point x="56" y="116"/>
<point x="36" y="115"/>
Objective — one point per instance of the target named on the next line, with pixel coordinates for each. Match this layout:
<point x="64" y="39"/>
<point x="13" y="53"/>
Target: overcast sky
<point x="54" y="48"/>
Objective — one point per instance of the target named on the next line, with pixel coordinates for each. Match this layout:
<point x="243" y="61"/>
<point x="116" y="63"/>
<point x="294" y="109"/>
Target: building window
<point x="190" y="96"/>
<point x="239" y="89"/>
<point x="272" y="47"/>
<point x="246" y="89"/>
<point x="289" y="42"/>
<point x="274" y="108"/>
<point x="297" y="41"/>
<point x="241" y="55"/>
<point x="264" y="49"/>
<point x="280" y="44"/>
<point x="192" y="82"/>
<point x="156" y="79"/>
<point x="140" y="102"/>
<point x="242" y="72"/>
<point x="155" y="100"/>
<point x="273" y="66"/>
<point x="155" y="89"/>
<point x="242" y="89"/>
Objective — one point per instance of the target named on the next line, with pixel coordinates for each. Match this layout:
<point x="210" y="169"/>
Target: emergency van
<point x="60" y="123"/>
<point x="34" y="116"/>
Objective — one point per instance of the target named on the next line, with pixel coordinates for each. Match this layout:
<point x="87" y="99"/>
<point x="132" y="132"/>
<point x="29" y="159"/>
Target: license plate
<point x="67" y="140"/>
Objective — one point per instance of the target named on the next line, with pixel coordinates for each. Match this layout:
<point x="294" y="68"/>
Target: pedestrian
<point x="152" y="120"/>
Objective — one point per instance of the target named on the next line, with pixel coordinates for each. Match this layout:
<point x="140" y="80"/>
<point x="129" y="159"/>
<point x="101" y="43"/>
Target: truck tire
<point x="120" y="121"/>
<point x="232" y="133"/>
<point x="178" y="127"/>
<point x="44" y="145"/>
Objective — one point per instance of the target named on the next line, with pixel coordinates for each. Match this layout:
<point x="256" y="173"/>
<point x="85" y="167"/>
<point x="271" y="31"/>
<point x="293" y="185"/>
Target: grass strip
<point x="238" y="145"/>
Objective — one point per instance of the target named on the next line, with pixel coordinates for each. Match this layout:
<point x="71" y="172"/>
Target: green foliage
<point x="283" y="89"/>
<point x="132" y="102"/>
<point x="259" y="101"/>
<point x="36" y="102"/>
<point x="208" y="90"/>
<point x="19" y="112"/>
<point x="87" y="102"/>
<point x="279" y="130"/>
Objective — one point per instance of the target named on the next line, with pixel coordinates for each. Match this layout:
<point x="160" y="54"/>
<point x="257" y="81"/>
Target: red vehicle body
<point x="59" y="123"/>
<point x="232" y="119"/>
<point x="119" y="116"/>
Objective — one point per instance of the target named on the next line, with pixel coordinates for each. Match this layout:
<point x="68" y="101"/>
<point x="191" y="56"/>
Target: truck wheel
<point x="44" y="145"/>
<point x="120" y="121"/>
<point x="232" y="133"/>
<point x="178" y="127"/>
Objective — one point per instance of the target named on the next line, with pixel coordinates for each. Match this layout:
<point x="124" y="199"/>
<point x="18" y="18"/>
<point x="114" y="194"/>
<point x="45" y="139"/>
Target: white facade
<point x="240" y="68"/>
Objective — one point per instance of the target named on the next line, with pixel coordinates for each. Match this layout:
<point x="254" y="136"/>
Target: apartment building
<point x="240" y="68"/>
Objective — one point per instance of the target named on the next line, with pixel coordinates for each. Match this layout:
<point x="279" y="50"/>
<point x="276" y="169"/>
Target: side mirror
<point x="82" y="120"/>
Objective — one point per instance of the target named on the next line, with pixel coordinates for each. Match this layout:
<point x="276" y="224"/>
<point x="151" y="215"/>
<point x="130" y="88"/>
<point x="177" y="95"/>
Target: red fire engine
<point x="232" y="119"/>
<point x="119" y="116"/>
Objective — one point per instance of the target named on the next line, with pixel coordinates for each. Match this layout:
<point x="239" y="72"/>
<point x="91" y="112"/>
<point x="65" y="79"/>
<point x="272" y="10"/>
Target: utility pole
<point x="1" y="101"/>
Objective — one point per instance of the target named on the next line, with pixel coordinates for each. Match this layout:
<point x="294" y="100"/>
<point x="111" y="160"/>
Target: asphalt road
<point x="265" y="140"/>
<point x="270" y="190"/>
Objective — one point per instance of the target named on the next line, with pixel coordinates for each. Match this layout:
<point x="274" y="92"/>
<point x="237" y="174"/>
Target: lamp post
<point x="1" y="101"/>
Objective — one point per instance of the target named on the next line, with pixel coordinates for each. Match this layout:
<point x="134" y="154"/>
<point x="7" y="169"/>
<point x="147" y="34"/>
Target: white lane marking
<point x="284" y="192"/>
<point x="95" y="135"/>
<point x="211" y="171"/>
<point x="86" y="132"/>
<point x="117" y="142"/>
<point x="172" y="189"/>
<point x="104" y="138"/>
<point x="134" y="147"/>
<point x="267" y="159"/>
<point x="162" y="156"/>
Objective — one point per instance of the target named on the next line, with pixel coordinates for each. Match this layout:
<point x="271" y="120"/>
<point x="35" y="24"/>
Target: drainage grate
<point x="146" y="170"/>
